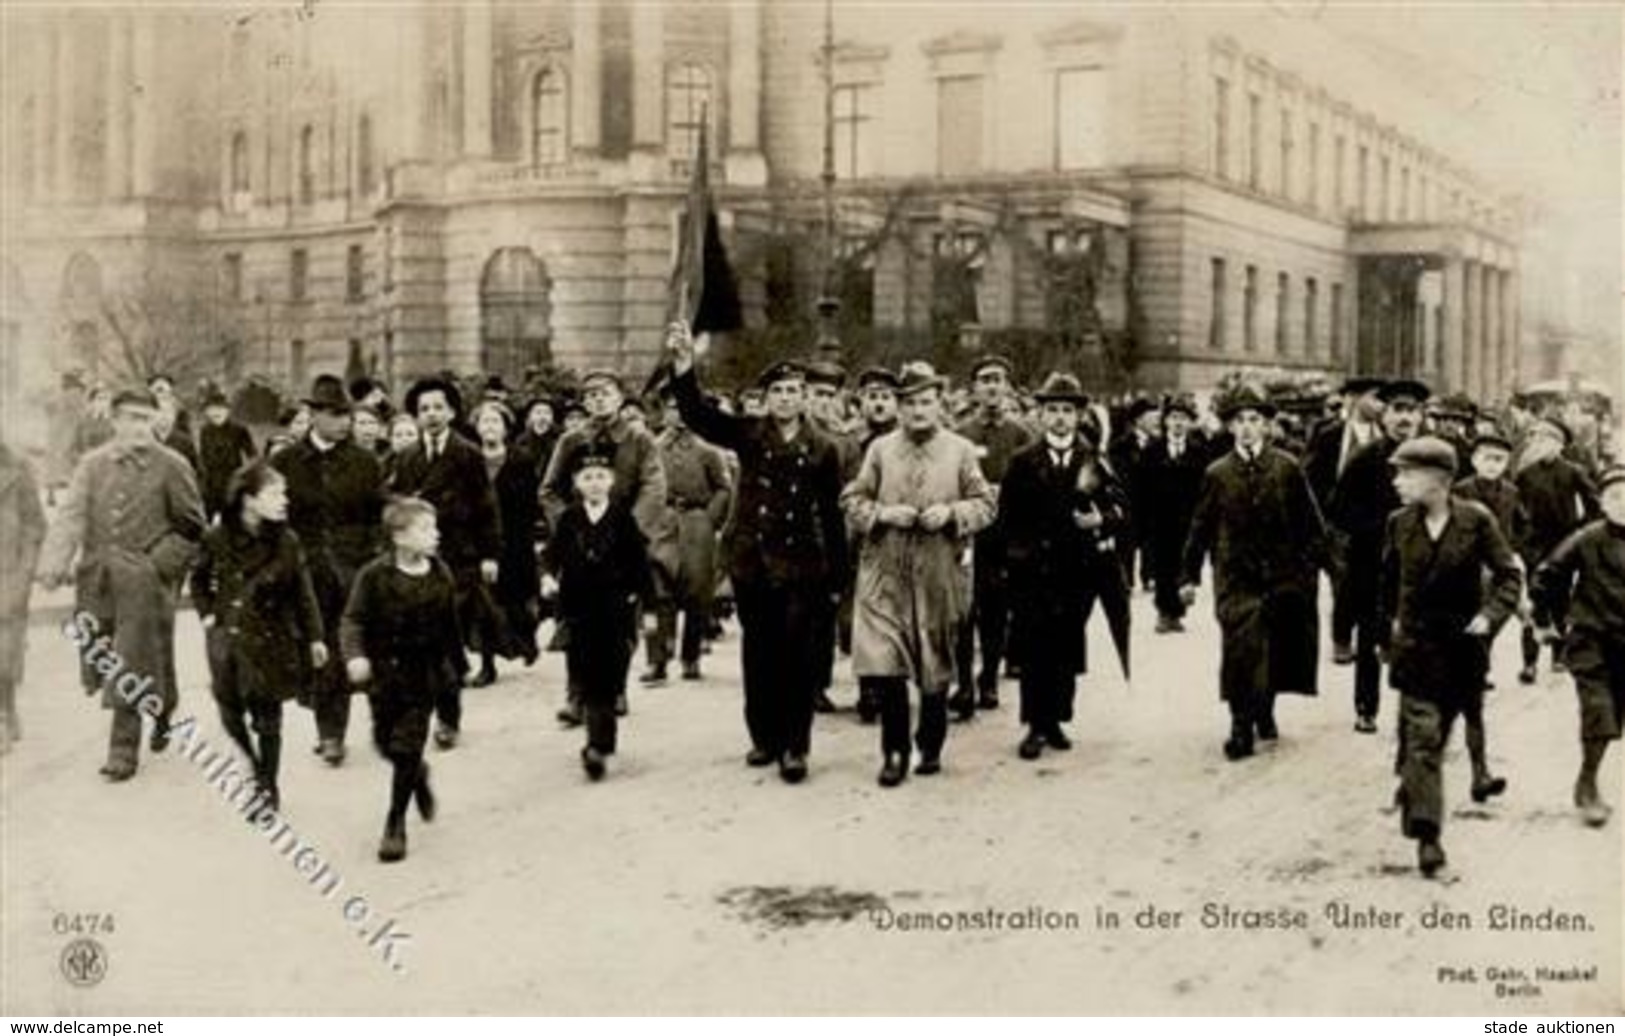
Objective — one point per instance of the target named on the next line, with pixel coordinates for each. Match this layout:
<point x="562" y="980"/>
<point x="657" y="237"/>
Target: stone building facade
<point x="286" y="189"/>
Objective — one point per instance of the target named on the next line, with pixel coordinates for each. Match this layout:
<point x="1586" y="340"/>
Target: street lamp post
<point x="828" y="306"/>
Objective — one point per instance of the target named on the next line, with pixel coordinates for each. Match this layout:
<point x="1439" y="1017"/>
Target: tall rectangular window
<point x="1283" y="312"/>
<point x="1221" y="127"/>
<point x="854" y="131"/>
<point x="1336" y="322"/>
<point x="1249" y="310"/>
<point x="355" y="273"/>
<point x="1311" y="312"/>
<point x="298" y="273"/>
<point x="1080" y="118"/>
<point x="232" y="274"/>
<point x="1362" y="183"/>
<point x="1255" y="136"/>
<point x="1313" y="193"/>
<point x="1216" y="307"/>
<point x="1404" y="194"/>
<point x="1284" y="176"/>
<point x="1339" y="164"/>
<point x="959" y="125"/>
<point x="1384" y="212"/>
<point x="1424" y="198"/>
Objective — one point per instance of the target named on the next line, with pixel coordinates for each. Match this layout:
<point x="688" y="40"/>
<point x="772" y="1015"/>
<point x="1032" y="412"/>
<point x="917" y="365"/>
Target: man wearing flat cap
<point x="998" y="437"/>
<point x="448" y="471"/>
<point x="640" y="481"/>
<point x="785" y="547"/>
<point x="918" y="497"/>
<point x="1258" y="520"/>
<point x="1359" y="509"/>
<point x="127" y="535"/>
<point x="1435" y="614"/>
<point x="1557" y="498"/>
<point x="335" y="500"/>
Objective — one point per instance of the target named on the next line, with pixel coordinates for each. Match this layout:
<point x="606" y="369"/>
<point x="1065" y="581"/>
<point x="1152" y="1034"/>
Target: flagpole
<point x="829" y="307"/>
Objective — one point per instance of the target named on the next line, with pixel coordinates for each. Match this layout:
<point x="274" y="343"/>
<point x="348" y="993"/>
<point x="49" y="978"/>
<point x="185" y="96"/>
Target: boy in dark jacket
<point x="401" y="636"/>
<point x="1557" y="498"/>
<point x="1586" y="573"/>
<point x="597" y="562"/>
<point x="262" y="627"/>
<point x="1435" y="618"/>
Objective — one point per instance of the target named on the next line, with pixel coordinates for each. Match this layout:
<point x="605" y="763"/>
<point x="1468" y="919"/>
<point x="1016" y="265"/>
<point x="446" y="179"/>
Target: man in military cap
<point x="1434" y="620"/>
<point x="784" y="549"/>
<point x="335" y="500"/>
<point x="877" y="401"/>
<point x="1258" y="520"/>
<point x="1364" y="498"/>
<point x="133" y="519"/>
<point x="1451" y="417"/>
<point x="998" y="438"/>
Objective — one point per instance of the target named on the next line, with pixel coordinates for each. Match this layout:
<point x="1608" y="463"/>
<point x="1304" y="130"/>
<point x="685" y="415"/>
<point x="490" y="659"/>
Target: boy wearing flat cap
<point x="1586" y="573"/>
<point x="1558" y="498"/>
<point x="1435" y="619"/>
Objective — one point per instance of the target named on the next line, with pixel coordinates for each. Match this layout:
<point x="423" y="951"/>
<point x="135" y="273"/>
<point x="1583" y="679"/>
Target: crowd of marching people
<point x="945" y="537"/>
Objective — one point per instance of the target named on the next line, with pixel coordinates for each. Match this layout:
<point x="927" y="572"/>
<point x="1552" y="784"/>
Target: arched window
<point x="364" y="172"/>
<point x="689" y="100"/>
<point x="516" y="312"/>
<point x="549" y="118"/>
<point x="307" y="172"/>
<point x="239" y="163"/>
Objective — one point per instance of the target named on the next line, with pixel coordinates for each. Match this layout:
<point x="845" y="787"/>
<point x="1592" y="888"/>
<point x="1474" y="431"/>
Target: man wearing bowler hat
<point x="998" y="438"/>
<point x="918" y="497"/>
<point x="1359" y="509"/>
<point x="1258" y="520"/>
<point x="448" y="471"/>
<point x="785" y="548"/>
<point x="133" y="520"/>
<point x="335" y="500"/>
<point x="1435" y="619"/>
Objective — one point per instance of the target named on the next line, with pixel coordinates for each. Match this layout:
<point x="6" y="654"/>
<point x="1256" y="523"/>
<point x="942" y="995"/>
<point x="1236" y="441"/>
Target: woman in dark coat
<point x="261" y="623"/>
<point x="516" y="481"/>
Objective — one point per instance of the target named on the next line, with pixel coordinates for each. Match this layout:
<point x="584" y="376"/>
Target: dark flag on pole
<point x="702" y="292"/>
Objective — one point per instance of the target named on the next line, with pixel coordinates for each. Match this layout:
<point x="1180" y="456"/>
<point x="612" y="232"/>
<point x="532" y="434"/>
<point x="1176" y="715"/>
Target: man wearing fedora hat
<point x="1359" y="509"/>
<point x="918" y="497"/>
<point x="785" y="547"/>
<point x="335" y="500"/>
<point x="448" y="472"/>
<point x="127" y="534"/>
<point x="1558" y="498"/>
<point x="1060" y="557"/>
<point x="1258" y="520"/>
<point x="1434" y="618"/>
<point x="998" y="437"/>
<point x="1173" y="466"/>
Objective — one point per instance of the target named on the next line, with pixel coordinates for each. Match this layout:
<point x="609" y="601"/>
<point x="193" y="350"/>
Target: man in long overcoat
<point x="335" y="500"/>
<point x="1172" y="468"/>
<point x="1258" y="521"/>
<point x="918" y="498"/>
<point x="22" y="528"/>
<point x="134" y="520"/>
<point x="1331" y="446"/>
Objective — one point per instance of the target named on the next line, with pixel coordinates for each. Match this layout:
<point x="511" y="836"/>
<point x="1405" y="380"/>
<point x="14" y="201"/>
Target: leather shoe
<point x="116" y="774"/>
<point x="621" y="707"/>
<point x="653" y="676"/>
<point x="160" y="737"/>
<point x="691" y="670"/>
<point x="759" y="757"/>
<point x="928" y="765"/>
<point x="570" y="715"/>
<point x="332" y="751"/>
<point x="894" y="770"/>
<point x="393" y="847"/>
<point x="1365" y="725"/>
<point x="1342" y="654"/>
<point x="988" y="699"/>
<point x="1267" y="730"/>
<point x="822" y="704"/>
<point x="793" y="767"/>
<point x="1238" y="748"/>
<point x="1056" y="738"/>
<point x="1488" y="788"/>
<point x="963" y="705"/>
<point x="1526" y="675"/>
<point x="1595" y="813"/>
<point x="592" y="760"/>
<point x="485" y="678"/>
<point x="445" y="738"/>
<point x="424" y="795"/>
<point x="1032" y="746"/>
<point x="1429" y="858"/>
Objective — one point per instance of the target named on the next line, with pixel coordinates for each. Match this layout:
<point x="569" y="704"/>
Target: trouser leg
<point x="1477" y="747"/>
<point x="406" y="771"/>
<point x="124" y="737"/>
<point x="694" y="624"/>
<point x="991" y="614"/>
<point x="1427" y="729"/>
<point x="933" y="730"/>
<point x="759" y="631"/>
<point x="891" y="693"/>
<point x="333" y="712"/>
<point x="657" y="645"/>
<point x="1367" y="667"/>
<point x="804" y="608"/>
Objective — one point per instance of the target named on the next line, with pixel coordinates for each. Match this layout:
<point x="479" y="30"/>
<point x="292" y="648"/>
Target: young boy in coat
<point x="1435" y="618"/>
<point x="400" y="634"/>
<point x="597" y="563"/>
<point x="262" y="627"/>
<point x="1586" y="573"/>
